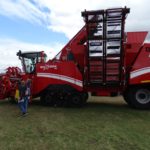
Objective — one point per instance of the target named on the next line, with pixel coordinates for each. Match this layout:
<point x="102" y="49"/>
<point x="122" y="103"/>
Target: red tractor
<point x="101" y="59"/>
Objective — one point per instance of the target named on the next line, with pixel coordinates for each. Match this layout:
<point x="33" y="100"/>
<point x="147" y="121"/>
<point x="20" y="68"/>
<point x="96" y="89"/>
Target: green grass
<point x="104" y="124"/>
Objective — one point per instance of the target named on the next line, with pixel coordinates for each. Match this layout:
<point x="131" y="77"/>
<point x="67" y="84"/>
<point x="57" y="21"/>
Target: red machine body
<point x="8" y="82"/>
<point x="137" y="57"/>
<point x="100" y="59"/>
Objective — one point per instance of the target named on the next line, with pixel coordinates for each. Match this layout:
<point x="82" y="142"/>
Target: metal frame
<point x="107" y="21"/>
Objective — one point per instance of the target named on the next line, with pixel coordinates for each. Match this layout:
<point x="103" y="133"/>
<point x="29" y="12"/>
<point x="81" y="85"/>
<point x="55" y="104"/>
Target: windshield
<point x="29" y="64"/>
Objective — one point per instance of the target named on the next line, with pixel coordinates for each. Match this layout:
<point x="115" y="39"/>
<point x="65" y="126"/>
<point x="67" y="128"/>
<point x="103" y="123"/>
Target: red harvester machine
<point x="101" y="59"/>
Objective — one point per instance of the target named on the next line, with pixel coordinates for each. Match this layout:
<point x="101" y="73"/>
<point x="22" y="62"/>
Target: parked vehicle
<point x="101" y="59"/>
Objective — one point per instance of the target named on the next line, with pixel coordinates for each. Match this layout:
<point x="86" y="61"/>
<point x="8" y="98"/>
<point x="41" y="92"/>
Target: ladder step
<point x="96" y="76"/>
<point x="113" y="47"/>
<point x="112" y="75"/>
<point x="113" y="61"/>
<point x="114" y="21"/>
<point x="113" y="55"/>
<point x="95" y="51"/>
<point x="95" y="37"/>
<point x="113" y="65"/>
<point x="95" y="61"/>
<point x="114" y="32"/>
<point x="96" y="58"/>
<point x="95" y="65"/>
<point x="114" y="17"/>
<point x="109" y="69"/>
<point x="95" y="43"/>
<point x="95" y="79"/>
<point x="110" y="11"/>
<point x="114" y="14"/>
<point x="117" y="19"/>
<point x="118" y="10"/>
<point x="113" y="40"/>
<point x="96" y="72"/>
<point x="116" y="36"/>
<point x="115" y="24"/>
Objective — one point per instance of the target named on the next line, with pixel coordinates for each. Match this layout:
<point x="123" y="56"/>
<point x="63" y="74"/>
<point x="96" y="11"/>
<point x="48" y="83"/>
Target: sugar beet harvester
<point x="101" y="59"/>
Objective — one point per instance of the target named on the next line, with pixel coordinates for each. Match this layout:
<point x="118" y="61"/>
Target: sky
<point x="34" y="25"/>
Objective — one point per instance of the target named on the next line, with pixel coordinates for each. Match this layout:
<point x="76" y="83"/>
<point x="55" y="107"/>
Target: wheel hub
<point x="143" y="96"/>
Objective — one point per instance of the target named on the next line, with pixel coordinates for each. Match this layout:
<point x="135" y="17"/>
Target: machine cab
<point x="30" y="59"/>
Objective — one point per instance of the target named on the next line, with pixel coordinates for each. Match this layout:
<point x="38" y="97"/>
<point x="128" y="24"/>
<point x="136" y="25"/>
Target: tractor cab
<point x="30" y="59"/>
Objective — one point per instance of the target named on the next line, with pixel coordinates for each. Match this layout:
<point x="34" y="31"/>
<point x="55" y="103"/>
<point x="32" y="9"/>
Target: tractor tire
<point x="59" y="102"/>
<point x="77" y="100"/>
<point x="127" y="99"/>
<point x="47" y="99"/>
<point x="139" y="97"/>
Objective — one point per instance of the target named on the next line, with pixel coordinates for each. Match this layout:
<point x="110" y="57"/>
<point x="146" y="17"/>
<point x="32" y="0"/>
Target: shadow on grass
<point x="107" y="105"/>
<point x="92" y="105"/>
<point x="5" y="102"/>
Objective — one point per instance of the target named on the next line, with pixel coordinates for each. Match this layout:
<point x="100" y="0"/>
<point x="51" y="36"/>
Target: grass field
<point x="104" y="124"/>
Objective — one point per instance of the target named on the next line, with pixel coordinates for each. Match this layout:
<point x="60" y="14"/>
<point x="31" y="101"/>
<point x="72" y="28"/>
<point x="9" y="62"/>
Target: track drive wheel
<point x="47" y="99"/>
<point x="78" y="99"/>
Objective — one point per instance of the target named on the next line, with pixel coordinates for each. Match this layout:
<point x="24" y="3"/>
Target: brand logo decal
<point x="46" y="67"/>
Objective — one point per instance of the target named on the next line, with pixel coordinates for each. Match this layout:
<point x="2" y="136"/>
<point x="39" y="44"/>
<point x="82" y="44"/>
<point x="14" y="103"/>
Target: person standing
<point x="27" y="94"/>
<point x="22" y="90"/>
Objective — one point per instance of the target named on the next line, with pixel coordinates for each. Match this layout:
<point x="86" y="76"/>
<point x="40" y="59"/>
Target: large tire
<point x="47" y="98"/>
<point x="77" y="99"/>
<point x="139" y="97"/>
<point x="58" y="100"/>
<point x="127" y="98"/>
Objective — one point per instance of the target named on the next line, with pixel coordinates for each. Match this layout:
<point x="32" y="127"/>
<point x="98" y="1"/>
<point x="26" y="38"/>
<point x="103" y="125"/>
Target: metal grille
<point x="105" y="30"/>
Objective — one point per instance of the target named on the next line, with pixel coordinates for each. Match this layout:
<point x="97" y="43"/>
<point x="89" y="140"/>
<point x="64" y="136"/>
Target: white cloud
<point x="9" y="48"/>
<point x="24" y="9"/>
<point x="65" y="16"/>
